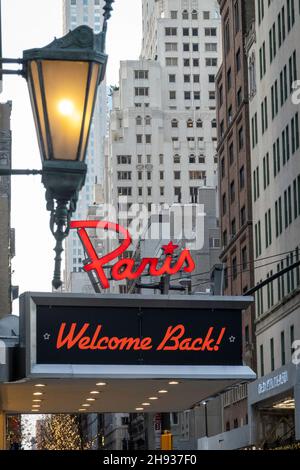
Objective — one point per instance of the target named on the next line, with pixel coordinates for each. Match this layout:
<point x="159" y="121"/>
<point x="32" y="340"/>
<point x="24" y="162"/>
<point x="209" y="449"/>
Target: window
<point x="199" y="123"/>
<point x="186" y="78"/>
<point x="195" y="47"/>
<point x="234" y="268"/>
<point x="185" y="31"/>
<point x="161" y="159"/>
<point x="214" y="123"/>
<point x="236" y="16"/>
<point x="141" y="91"/>
<point x="138" y="120"/>
<point x="196" y="78"/>
<point x="211" y="78"/>
<point x="124" y="191"/>
<point x="171" y="46"/>
<point x="162" y="191"/>
<point x="187" y="95"/>
<point x="176" y="159"/>
<point x="172" y="78"/>
<point x="210" y="31"/>
<point x="242" y="177"/>
<point x="171" y="61"/>
<point x="190" y="123"/>
<point x="224" y="205"/>
<point x="186" y="47"/>
<point x="243" y="216"/>
<point x="195" y="62"/>
<point x="229" y="79"/>
<point x="172" y="95"/>
<point x="232" y="192"/>
<point x="227" y="37"/>
<point x="211" y="62"/>
<point x="185" y="15"/>
<point x="262" y="369"/>
<point x="139" y="139"/>
<point x="194" y="31"/>
<point x="161" y="175"/>
<point x="194" y="15"/>
<point x="282" y="342"/>
<point x="141" y="74"/>
<point x="239" y="97"/>
<point x="149" y="175"/>
<point x="272" y="354"/>
<point x="196" y="95"/>
<point x="241" y="138"/>
<point x="174" y="123"/>
<point x="171" y="31"/>
<point x="148" y="138"/>
<point x="206" y="15"/>
<point x="124" y="159"/>
<point x="148" y="120"/>
<point x="173" y="15"/>
<point x="186" y="62"/>
<point x="177" y="175"/>
<point x="211" y="47"/>
<point x="238" y="60"/>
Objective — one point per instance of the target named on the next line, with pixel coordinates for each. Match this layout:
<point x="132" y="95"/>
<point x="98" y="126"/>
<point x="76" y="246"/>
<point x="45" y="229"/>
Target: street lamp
<point x="63" y="78"/>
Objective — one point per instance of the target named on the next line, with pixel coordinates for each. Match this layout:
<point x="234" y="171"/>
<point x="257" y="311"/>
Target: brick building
<point x="235" y="182"/>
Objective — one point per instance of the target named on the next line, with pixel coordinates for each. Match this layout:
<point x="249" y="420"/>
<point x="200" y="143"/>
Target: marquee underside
<point x="67" y="395"/>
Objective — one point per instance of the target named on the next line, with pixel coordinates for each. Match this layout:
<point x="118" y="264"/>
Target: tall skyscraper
<point x="274" y="68"/>
<point x="88" y="12"/>
<point x="163" y="134"/>
<point x="235" y="183"/>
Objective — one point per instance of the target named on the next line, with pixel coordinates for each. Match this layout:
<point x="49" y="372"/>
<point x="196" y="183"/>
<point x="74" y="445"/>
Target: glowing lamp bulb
<point x="66" y="107"/>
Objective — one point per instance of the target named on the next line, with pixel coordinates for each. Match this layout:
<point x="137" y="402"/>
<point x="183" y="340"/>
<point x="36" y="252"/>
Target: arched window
<point x="214" y="123"/>
<point x="185" y="15"/>
<point x="201" y="158"/>
<point x="199" y="123"/>
<point x="189" y="123"/>
<point x="192" y="158"/>
<point x="148" y="120"/>
<point x="194" y="15"/>
<point x="174" y="123"/>
<point x="176" y="158"/>
<point x="138" y="120"/>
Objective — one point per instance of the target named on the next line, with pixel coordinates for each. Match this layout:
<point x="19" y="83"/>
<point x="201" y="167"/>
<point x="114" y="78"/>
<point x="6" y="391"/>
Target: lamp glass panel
<point x="65" y="86"/>
<point x="89" y="107"/>
<point x="37" y="106"/>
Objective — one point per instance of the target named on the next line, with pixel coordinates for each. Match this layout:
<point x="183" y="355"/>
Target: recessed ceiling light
<point x="36" y="400"/>
<point x="36" y="406"/>
<point x="36" y="411"/>
<point x="173" y="382"/>
<point x="139" y="409"/>
<point x="94" y="392"/>
<point x="37" y="394"/>
<point x="40" y="385"/>
<point x="162" y="391"/>
<point x="90" y="399"/>
<point x="82" y="409"/>
<point x="86" y="404"/>
<point x="146" y="404"/>
<point x="153" y="398"/>
<point x="101" y="384"/>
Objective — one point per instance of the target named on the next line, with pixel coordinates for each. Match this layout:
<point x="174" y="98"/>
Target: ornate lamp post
<point x="63" y="78"/>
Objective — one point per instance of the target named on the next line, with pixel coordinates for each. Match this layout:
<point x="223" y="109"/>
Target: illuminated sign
<point x="138" y="335"/>
<point x="126" y="268"/>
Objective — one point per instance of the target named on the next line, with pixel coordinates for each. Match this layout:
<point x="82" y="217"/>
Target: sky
<point x="34" y="23"/>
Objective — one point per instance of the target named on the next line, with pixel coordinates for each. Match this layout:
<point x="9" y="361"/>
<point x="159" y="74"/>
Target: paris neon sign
<point x="125" y="268"/>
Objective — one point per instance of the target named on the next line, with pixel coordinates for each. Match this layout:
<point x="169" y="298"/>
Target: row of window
<point x="283" y="148"/>
<point x="84" y="2"/>
<point x="193" y="15"/>
<point x="192" y="158"/>
<point x="277" y="33"/>
<point x="172" y="31"/>
<point x="194" y="192"/>
<point x="280" y="347"/>
<point x="173" y="62"/>
<point x="188" y="95"/>
<point x="286" y="209"/>
<point x="193" y="175"/>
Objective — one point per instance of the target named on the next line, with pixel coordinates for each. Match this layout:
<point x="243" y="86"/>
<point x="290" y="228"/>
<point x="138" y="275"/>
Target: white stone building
<point x="274" y="65"/>
<point x="162" y="144"/>
<point x="76" y="13"/>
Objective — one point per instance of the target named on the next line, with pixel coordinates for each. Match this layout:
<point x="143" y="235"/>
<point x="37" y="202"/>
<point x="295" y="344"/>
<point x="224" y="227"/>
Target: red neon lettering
<point x="125" y="268"/>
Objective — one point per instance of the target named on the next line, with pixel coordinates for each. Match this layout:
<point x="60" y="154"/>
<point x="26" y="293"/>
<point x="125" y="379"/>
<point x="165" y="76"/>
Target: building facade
<point x="90" y="13"/>
<point x="235" y="182"/>
<point x="274" y="67"/>
<point x="6" y="233"/>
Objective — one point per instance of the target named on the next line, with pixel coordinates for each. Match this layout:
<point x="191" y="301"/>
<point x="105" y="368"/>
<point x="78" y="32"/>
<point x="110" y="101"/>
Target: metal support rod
<point x="12" y="72"/>
<point x="60" y="227"/>
<point x="9" y="172"/>
<point x="11" y="61"/>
